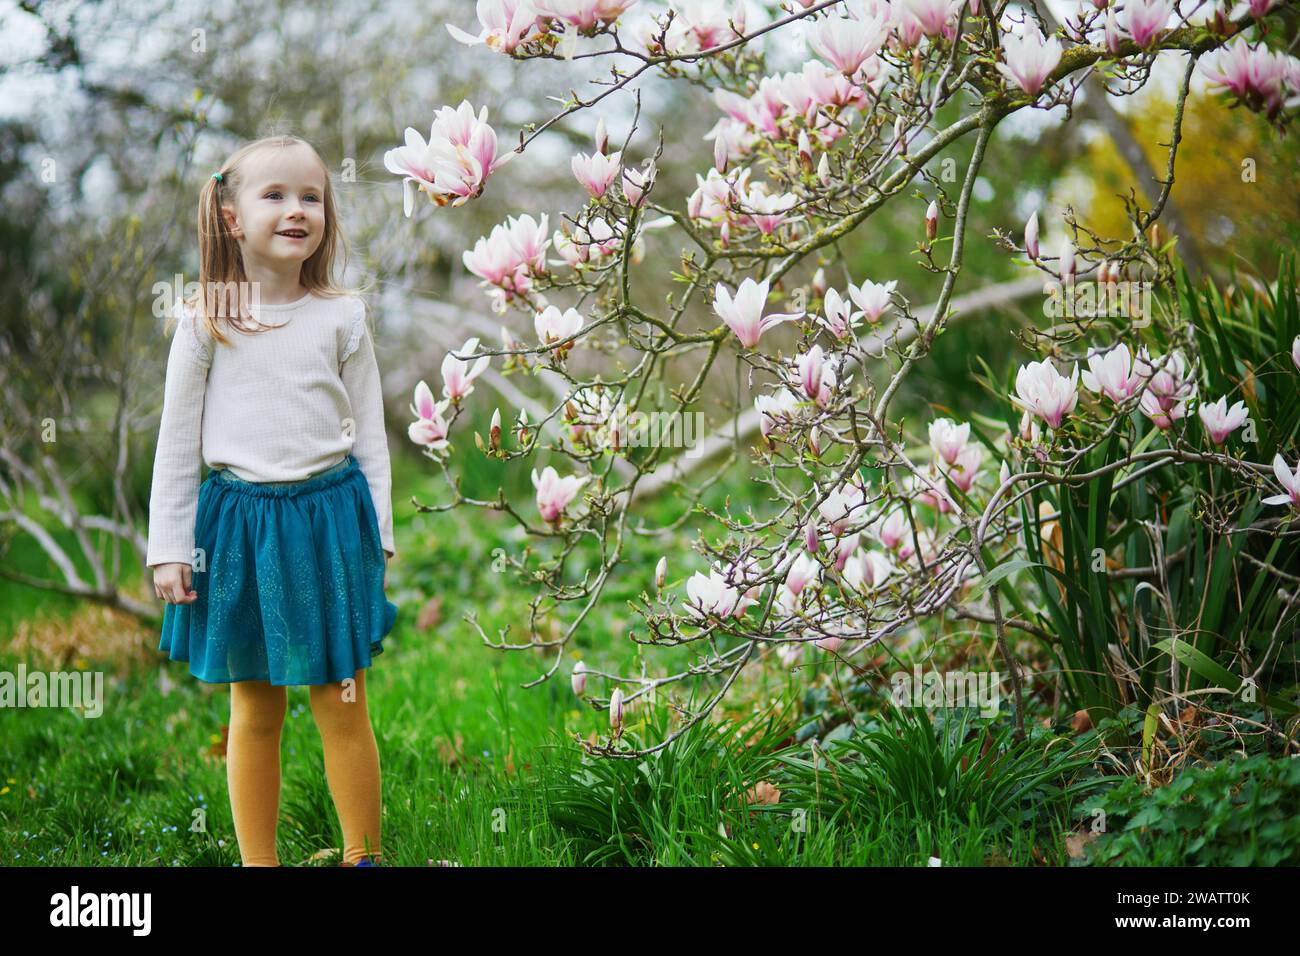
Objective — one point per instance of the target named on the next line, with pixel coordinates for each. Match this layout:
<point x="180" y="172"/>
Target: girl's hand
<point x="171" y="583"/>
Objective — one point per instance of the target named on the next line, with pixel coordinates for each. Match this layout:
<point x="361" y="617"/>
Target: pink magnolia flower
<point x="555" y="493"/>
<point x="873" y="298"/>
<point x="552" y="325"/>
<point x="744" y="313"/>
<point x="1256" y="8"/>
<point x="765" y="210"/>
<point x="802" y="572"/>
<point x="1111" y="374"/>
<point x="866" y="570"/>
<point x="894" y="530"/>
<point x="505" y="24"/>
<point x="1144" y="20"/>
<point x="966" y="467"/>
<point x="1041" y="389"/>
<point x="699" y="26"/>
<point x="455" y="162"/>
<point x="496" y="260"/>
<point x="583" y="14"/>
<point x="948" y="439"/>
<point x="1288" y="479"/>
<point x="429" y="428"/>
<point x="846" y="43"/>
<point x="527" y="236"/>
<point x="839" y="315"/>
<point x="776" y="411"/>
<point x="1167" y="379"/>
<point x="1030" y="59"/>
<point x="933" y="17"/>
<point x="596" y="171"/>
<point x="814" y="377"/>
<point x="1220" y="420"/>
<point x="1257" y="76"/>
<point x="458" y="374"/>
<point x="636" y="182"/>
<point x="841" y="504"/>
<point x="848" y="545"/>
<point x="1162" y="414"/>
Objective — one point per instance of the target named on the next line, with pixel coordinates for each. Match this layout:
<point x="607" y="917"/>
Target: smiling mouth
<point x="292" y="233"/>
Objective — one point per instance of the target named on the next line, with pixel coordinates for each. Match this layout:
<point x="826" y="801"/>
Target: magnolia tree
<point x="873" y="527"/>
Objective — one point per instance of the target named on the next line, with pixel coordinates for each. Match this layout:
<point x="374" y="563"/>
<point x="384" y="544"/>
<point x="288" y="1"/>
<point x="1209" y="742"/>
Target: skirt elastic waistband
<point x="332" y="475"/>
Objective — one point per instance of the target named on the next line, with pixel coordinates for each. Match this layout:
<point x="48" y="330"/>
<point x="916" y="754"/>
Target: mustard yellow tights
<point x="257" y="711"/>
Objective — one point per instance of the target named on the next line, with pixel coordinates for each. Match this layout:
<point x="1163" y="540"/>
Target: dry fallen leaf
<point x="1081" y="722"/>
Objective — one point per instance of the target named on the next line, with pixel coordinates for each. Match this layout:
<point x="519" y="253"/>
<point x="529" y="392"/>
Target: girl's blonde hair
<point x="221" y="266"/>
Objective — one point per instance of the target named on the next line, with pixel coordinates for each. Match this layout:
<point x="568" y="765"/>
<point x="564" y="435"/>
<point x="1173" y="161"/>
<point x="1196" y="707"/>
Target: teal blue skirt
<point x="290" y="581"/>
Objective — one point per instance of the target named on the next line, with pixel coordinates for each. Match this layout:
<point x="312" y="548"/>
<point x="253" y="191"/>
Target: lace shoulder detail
<point x="356" y="326"/>
<point x="187" y="324"/>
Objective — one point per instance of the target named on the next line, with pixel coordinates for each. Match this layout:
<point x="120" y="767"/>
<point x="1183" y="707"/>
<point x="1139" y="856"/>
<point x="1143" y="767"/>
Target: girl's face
<point x="279" y="213"/>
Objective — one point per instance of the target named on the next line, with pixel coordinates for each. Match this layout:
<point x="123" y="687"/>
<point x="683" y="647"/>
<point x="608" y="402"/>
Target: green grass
<point x="479" y="771"/>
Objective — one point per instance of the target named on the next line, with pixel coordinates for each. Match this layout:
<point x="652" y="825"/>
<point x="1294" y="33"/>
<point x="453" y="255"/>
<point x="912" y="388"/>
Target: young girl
<point x="274" y="570"/>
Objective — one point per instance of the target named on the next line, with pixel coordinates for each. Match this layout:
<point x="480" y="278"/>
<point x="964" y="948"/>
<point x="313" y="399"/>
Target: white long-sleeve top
<point x="277" y="405"/>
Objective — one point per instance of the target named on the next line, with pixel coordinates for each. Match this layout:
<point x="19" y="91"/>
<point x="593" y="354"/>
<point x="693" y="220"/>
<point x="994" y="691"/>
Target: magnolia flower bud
<point x="494" y="432"/>
<point x="579" y="678"/>
<point x="824" y="169"/>
<point x="1031" y="236"/>
<point x="720" y="153"/>
<point x="819" y="283"/>
<point x="931" y="221"/>
<point x="805" y="152"/>
<point x="616" y="710"/>
<point x="1113" y="37"/>
<point x="1067" y="261"/>
<point x="810" y="538"/>
<point x="602" y="137"/>
<point x="661" y="573"/>
<point x="738" y="17"/>
<point x="1004" y="473"/>
<point x="814" y="441"/>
